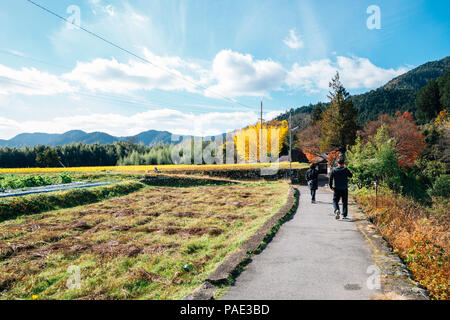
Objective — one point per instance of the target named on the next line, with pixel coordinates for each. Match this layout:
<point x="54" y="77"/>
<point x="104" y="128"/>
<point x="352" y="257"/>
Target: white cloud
<point x="112" y="76"/>
<point x="30" y="81"/>
<point x="110" y="10"/>
<point x="231" y="75"/>
<point x="237" y="74"/>
<point x="356" y="73"/>
<point x="361" y="73"/>
<point x="120" y="125"/>
<point x="293" y="41"/>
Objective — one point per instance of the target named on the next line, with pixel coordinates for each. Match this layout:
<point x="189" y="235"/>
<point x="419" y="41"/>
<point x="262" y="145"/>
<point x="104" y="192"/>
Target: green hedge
<point x="36" y="203"/>
<point x="14" y="181"/>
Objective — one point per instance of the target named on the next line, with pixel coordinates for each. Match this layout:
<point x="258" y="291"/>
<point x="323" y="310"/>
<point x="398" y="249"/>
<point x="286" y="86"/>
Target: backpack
<point x="310" y="174"/>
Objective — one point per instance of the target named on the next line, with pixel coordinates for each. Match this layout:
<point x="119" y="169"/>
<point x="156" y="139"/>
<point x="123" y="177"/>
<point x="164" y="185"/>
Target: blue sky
<point x="215" y="60"/>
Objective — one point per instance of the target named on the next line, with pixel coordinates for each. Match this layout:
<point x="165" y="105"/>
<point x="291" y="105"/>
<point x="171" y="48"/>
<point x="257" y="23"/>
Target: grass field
<point x="156" y="243"/>
<point x="163" y="168"/>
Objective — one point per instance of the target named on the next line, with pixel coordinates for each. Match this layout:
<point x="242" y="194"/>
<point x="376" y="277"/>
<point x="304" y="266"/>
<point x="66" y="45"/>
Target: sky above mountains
<point x="212" y="62"/>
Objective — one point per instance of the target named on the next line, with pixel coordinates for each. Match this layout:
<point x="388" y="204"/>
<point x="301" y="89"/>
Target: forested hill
<point x="398" y="94"/>
<point x="420" y="76"/>
<point x="151" y="137"/>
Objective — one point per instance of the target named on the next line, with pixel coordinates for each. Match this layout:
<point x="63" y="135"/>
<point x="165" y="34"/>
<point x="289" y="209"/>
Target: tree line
<point x="79" y="154"/>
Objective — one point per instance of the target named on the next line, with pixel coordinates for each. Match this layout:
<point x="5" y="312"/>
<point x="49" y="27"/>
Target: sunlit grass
<point x="133" y="247"/>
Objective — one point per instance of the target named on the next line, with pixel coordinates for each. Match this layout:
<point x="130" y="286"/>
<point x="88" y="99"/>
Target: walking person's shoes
<point x="338" y="214"/>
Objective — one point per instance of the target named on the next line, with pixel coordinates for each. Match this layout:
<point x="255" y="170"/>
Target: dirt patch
<point x="237" y="204"/>
<point x="92" y="211"/>
<point x="190" y="232"/>
<point x="186" y="215"/>
<point x="5" y="251"/>
<point x="142" y="274"/>
<point x="114" y="248"/>
<point x="81" y="225"/>
<point x="232" y="216"/>
<point x="145" y="229"/>
<point x="6" y="282"/>
<point x="149" y="214"/>
<point x="160" y="249"/>
<point x="123" y="212"/>
<point x="79" y="248"/>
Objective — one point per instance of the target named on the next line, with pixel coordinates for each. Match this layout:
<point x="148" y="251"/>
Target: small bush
<point x="441" y="187"/>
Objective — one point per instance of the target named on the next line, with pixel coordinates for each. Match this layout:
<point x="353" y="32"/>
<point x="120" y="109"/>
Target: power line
<point x="103" y="97"/>
<point x="135" y="55"/>
<point x="131" y="100"/>
<point x="158" y="100"/>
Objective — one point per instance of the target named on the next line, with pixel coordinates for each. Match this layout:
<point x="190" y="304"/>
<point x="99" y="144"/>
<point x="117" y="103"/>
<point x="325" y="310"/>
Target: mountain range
<point x="400" y="93"/>
<point x="150" y="137"/>
<point x="397" y="94"/>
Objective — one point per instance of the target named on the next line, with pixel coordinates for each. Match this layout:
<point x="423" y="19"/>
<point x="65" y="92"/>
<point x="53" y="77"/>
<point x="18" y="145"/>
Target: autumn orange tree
<point x="409" y="141"/>
<point x="251" y="146"/>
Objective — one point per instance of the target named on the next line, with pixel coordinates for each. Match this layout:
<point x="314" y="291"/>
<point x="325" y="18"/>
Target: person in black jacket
<point x="312" y="177"/>
<point x="339" y="185"/>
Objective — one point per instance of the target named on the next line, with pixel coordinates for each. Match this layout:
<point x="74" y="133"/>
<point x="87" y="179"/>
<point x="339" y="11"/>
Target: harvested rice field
<point x="156" y="243"/>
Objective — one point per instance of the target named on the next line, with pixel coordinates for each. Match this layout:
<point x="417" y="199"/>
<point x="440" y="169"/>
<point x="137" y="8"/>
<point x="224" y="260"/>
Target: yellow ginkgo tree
<point x="256" y="145"/>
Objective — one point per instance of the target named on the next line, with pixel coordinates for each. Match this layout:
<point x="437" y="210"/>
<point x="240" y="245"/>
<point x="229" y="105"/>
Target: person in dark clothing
<point x="339" y="185"/>
<point x="312" y="177"/>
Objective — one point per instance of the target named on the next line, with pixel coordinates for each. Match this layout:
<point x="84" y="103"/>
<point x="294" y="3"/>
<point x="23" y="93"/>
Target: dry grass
<point x="133" y="247"/>
<point x="422" y="240"/>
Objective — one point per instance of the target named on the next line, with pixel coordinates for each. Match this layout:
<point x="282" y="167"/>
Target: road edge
<point x="397" y="282"/>
<point x="234" y="264"/>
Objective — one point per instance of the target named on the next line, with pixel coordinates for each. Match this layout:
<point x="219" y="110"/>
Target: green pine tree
<point x="340" y="120"/>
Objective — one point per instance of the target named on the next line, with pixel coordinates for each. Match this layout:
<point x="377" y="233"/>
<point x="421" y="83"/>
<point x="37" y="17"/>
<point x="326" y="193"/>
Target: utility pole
<point x="290" y="144"/>
<point x="260" y="135"/>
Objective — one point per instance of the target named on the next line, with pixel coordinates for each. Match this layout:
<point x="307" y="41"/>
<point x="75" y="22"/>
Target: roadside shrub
<point x="37" y="203"/>
<point x="65" y="178"/>
<point x="431" y="169"/>
<point x="376" y="160"/>
<point x="441" y="187"/>
<point x="413" y="186"/>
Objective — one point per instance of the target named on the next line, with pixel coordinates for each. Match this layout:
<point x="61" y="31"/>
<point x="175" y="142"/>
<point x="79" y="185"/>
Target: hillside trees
<point x="308" y="141"/>
<point x="428" y="103"/>
<point x="317" y="113"/>
<point x="433" y="98"/>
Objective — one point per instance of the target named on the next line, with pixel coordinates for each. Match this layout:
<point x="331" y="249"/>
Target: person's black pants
<point x="313" y="194"/>
<point x="338" y="195"/>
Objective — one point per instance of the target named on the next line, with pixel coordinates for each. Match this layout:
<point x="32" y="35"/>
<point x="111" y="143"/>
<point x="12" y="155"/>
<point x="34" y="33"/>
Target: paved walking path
<point x="313" y="256"/>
